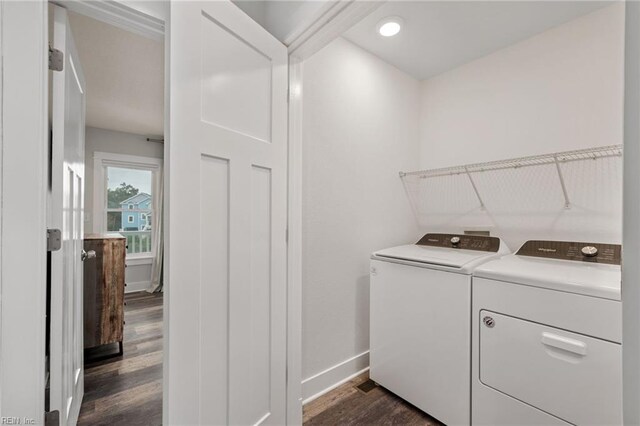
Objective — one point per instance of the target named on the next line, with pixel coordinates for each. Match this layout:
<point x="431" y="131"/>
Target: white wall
<point x="138" y="273"/>
<point x="360" y="127"/>
<point x="557" y="91"/>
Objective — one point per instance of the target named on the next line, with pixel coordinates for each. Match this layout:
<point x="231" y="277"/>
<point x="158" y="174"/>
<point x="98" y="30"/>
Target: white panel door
<point x="67" y="191"/>
<point x="226" y="350"/>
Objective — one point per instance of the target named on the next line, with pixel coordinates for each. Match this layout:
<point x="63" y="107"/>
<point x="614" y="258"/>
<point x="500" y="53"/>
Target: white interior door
<point x="67" y="183"/>
<point x="226" y="349"/>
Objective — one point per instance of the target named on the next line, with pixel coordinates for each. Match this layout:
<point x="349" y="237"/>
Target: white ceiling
<point x="441" y="35"/>
<point x="124" y="75"/>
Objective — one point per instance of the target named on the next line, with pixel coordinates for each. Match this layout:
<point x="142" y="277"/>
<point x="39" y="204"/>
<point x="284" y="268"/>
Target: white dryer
<point x="547" y="333"/>
<point x="420" y="346"/>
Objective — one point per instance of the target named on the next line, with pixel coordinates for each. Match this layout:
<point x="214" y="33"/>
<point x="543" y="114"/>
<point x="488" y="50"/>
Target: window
<point x="129" y="189"/>
<point x="126" y="205"/>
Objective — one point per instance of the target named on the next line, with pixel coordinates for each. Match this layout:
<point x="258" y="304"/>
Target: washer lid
<point x="590" y="279"/>
<point x="441" y="256"/>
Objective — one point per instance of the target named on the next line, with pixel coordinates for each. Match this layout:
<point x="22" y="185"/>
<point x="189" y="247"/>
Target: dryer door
<point x="571" y="376"/>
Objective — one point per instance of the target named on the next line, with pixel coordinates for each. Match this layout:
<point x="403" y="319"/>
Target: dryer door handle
<point x="564" y="343"/>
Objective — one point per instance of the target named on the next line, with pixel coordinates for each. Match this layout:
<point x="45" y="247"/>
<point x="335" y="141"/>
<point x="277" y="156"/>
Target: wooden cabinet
<point x="104" y="290"/>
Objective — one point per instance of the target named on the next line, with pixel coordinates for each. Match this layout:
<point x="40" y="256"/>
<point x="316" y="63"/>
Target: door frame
<point x="23" y="219"/>
<point x="631" y="219"/>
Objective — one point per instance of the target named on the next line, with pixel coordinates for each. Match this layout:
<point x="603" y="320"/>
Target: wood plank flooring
<point x="128" y="390"/>
<point x="347" y="405"/>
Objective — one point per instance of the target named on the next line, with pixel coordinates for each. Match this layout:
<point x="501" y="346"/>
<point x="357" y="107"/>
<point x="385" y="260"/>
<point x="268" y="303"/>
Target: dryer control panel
<point x="464" y="242"/>
<point x="572" y="250"/>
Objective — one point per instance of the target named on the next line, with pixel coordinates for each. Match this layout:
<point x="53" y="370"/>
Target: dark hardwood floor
<point x="128" y="390"/>
<point x="349" y="405"/>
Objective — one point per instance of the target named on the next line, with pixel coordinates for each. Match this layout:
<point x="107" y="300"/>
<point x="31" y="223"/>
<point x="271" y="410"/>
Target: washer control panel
<point x="464" y="242"/>
<point x="571" y="250"/>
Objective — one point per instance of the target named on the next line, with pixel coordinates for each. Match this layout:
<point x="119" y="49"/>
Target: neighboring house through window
<point x="142" y="204"/>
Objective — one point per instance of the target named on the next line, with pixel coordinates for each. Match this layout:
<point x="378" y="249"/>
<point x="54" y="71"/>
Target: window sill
<point x="139" y="260"/>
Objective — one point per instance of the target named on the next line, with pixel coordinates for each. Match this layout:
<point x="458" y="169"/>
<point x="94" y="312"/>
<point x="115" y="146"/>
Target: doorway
<point x="117" y="319"/>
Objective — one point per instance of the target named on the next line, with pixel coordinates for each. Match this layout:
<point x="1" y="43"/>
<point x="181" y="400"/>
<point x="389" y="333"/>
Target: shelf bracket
<point x="567" y="203"/>
<point x="473" y="185"/>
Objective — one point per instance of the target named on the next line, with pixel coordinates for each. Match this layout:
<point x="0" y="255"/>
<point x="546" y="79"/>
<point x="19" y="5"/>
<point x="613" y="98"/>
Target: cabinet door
<point x="104" y="292"/>
<point x="112" y="306"/>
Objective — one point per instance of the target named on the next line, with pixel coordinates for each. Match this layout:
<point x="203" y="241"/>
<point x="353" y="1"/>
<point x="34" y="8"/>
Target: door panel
<point x="260" y="310"/>
<point x="228" y="156"/>
<point x="67" y="213"/>
<point x="214" y="286"/>
<point x="236" y="92"/>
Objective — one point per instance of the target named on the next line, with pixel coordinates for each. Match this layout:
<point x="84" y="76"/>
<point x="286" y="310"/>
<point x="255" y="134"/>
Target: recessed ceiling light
<point x="390" y="26"/>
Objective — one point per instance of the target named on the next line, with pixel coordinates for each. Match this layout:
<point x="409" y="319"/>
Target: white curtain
<point x="157" y="234"/>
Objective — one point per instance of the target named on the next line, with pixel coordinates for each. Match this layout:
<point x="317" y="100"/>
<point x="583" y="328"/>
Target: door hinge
<point x="56" y="59"/>
<point x="54" y="239"/>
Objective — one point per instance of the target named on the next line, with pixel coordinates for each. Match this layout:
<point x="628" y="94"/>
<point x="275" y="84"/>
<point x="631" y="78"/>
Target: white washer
<point x="547" y="333"/>
<point x="420" y="346"/>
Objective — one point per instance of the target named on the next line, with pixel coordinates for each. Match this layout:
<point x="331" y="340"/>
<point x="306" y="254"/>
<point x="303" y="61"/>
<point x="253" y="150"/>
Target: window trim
<point x="102" y="160"/>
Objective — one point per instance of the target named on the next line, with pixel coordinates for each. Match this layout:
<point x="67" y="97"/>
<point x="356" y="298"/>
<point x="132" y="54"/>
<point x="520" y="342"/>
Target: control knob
<point x="455" y="240"/>
<point x="589" y="251"/>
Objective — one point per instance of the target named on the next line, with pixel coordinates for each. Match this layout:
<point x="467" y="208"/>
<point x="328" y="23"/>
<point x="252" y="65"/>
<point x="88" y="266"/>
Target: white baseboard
<point x="138" y="286"/>
<point x="321" y="383"/>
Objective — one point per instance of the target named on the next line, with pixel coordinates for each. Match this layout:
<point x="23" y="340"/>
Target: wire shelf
<point x="514" y="163"/>
<point x="556" y="159"/>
